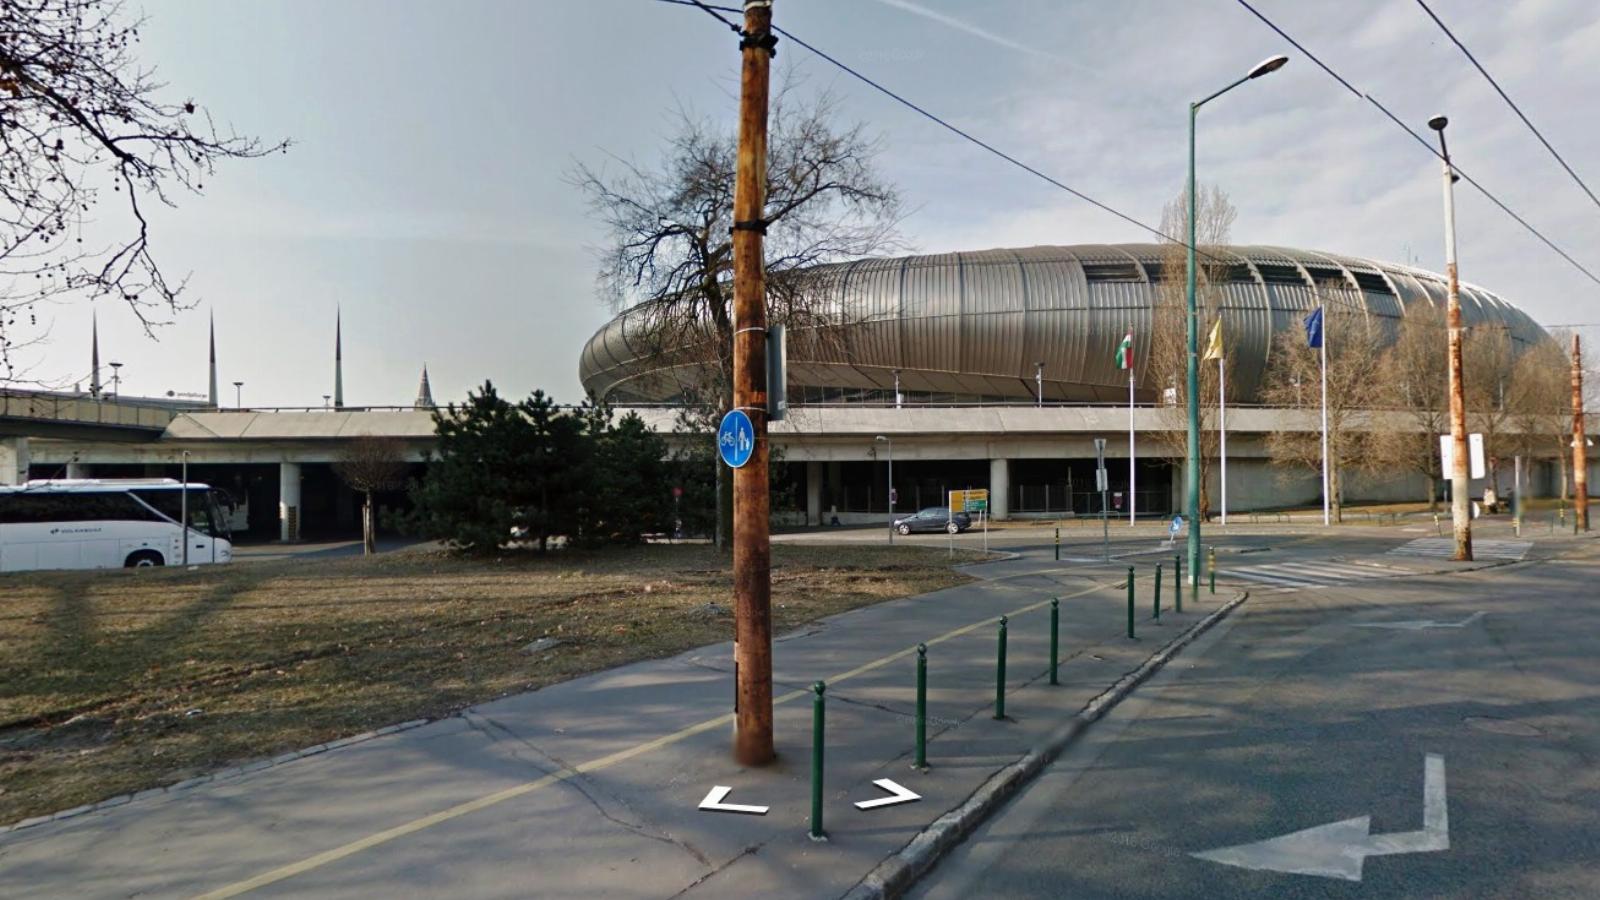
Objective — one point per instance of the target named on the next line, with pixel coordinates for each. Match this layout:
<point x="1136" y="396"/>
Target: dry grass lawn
<point x="118" y="681"/>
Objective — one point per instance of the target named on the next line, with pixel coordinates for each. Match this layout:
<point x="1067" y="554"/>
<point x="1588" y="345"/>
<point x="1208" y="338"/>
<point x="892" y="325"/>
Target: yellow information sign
<point x="969" y="501"/>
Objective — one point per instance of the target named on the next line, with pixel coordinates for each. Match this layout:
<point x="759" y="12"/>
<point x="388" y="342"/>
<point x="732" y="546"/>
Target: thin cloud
<point x="969" y="28"/>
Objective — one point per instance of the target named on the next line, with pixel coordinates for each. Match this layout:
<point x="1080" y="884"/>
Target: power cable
<point x="1421" y="140"/>
<point x="955" y="130"/>
<point x="1509" y="102"/>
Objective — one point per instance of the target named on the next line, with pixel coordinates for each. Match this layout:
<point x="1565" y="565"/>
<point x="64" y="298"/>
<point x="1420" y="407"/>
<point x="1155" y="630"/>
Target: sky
<point x="427" y="196"/>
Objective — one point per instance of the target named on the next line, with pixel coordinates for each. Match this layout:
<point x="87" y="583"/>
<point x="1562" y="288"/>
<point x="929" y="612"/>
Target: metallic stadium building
<point x="974" y="327"/>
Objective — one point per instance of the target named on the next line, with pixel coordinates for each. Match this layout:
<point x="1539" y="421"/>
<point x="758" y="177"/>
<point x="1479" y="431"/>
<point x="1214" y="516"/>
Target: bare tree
<point x="670" y="242"/>
<point x="1488" y="357"/>
<point x="1414" y="381"/>
<point x="79" y="114"/>
<point x="369" y="464"/>
<point x="1166" y="366"/>
<point x="1294" y="382"/>
<point x="1540" y="402"/>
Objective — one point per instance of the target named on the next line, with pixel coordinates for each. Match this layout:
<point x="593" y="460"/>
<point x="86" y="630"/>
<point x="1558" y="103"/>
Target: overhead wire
<point x="1421" y="140"/>
<point x="1509" y="102"/>
<point x="903" y="101"/>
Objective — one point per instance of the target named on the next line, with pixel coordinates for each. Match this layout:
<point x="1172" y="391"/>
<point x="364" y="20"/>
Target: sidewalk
<point x="590" y="788"/>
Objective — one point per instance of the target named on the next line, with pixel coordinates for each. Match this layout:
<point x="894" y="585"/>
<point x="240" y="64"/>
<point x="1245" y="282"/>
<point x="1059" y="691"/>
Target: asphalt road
<point x="1297" y="712"/>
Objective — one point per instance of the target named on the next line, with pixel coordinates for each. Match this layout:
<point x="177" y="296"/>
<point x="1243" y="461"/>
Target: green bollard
<point x="922" y="707"/>
<point x="817" y="713"/>
<point x="1055" y="636"/>
<point x="1058" y="543"/>
<point x="1177" y="583"/>
<point x="1130" y="603"/>
<point x="1212" y="565"/>
<point x="1000" y="675"/>
<point x="1158" y="592"/>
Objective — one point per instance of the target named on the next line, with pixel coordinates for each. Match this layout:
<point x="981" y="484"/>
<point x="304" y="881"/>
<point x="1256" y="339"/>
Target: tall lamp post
<point x="890" y="443"/>
<point x="238" y="394"/>
<point x="1266" y="66"/>
<point x="116" y="380"/>
<point x="1460" y="486"/>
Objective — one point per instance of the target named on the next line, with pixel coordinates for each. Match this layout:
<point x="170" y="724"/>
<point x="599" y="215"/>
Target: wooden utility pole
<point x="1580" y="461"/>
<point x="752" y="548"/>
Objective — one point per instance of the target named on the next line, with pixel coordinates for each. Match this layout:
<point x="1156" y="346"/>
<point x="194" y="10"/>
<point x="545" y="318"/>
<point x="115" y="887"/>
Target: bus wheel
<point x="143" y="559"/>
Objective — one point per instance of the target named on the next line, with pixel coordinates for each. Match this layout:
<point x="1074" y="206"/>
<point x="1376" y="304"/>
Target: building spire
<point x="424" y="393"/>
<point x="338" y="359"/>
<point x="213" y="395"/>
<point x="94" y="354"/>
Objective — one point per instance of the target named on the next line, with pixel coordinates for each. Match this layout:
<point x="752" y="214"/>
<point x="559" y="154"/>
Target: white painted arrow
<point x="1338" y="849"/>
<point x="713" y="803"/>
<point x="1425" y="623"/>
<point x="899" y="795"/>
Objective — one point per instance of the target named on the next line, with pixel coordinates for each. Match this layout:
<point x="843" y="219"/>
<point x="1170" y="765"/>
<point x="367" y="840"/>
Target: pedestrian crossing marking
<point x="1445" y="548"/>
<point x="1293" y="575"/>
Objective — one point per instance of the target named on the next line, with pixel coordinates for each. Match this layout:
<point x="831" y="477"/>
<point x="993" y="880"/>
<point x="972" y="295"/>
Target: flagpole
<point x="1222" y="421"/>
<point x="1323" y="347"/>
<point x="1132" y="456"/>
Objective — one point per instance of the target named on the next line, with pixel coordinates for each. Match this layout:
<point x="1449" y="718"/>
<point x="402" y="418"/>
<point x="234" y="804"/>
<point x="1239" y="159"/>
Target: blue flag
<point x="1313" y="324"/>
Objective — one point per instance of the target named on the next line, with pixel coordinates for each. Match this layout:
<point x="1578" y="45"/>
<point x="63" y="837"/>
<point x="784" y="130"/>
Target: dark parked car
<point x="934" y="518"/>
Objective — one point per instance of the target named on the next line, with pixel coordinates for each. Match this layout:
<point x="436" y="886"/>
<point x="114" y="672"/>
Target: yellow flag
<point x="1214" y="346"/>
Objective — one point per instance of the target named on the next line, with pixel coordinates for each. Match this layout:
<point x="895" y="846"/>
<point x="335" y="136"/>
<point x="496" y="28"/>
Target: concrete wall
<point x="14" y="460"/>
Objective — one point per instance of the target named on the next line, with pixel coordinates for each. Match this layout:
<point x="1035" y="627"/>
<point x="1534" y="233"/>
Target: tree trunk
<point x="1336" y="494"/>
<point x="369" y="536"/>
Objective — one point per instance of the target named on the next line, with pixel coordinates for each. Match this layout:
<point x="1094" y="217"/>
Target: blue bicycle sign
<point x="736" y="438"/>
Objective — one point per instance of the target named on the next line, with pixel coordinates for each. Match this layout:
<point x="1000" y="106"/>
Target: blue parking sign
<point x="736" y="438"/>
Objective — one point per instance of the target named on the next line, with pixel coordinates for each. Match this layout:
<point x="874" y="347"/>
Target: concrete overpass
<point x="1036" y="460"/>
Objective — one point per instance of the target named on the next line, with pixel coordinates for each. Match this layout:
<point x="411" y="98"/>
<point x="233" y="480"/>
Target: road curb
<point x="892" y="877"/>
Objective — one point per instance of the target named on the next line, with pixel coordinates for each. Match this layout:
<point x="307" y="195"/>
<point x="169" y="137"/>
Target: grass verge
<point x="113" y="682"/>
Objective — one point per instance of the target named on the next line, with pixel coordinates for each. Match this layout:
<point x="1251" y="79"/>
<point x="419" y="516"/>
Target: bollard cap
<point x="922" y="649"/>
<point x="1003" y="621"/>
<point x="819" y="687"/>
<point x="1055" y="601"/>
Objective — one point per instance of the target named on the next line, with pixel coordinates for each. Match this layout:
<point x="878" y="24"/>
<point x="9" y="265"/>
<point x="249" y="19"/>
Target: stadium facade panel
<point x="972" y="326"/>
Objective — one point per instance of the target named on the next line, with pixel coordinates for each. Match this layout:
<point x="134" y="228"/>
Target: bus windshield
<point x="203" y="514"/>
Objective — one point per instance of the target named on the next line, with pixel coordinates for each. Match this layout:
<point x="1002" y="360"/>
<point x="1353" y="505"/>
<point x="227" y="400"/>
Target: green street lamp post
<point x="1264" y="67"/>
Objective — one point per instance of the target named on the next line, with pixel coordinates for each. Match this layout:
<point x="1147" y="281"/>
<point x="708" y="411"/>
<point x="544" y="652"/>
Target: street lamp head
<point x="1268" y="65"/>
<point x="1437" y="123"/>
<point x="880" y="438"/>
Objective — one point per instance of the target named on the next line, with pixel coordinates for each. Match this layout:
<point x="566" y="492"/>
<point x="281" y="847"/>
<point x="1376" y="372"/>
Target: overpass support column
<point x="13" y="460"/>
<point x="289" y="502"/>
<point x="77" y="469"/>
<point x="813" y="493"/>
<point x="999" y="489"/>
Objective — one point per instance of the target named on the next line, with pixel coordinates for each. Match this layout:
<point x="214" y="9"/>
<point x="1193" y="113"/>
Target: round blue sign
<point x="736" y="438"/>
<point x="1177" y="524"/>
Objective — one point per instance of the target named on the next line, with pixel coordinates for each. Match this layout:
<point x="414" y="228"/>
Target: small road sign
<point x="736" y="438"/>
<point x="1177" y="525"/>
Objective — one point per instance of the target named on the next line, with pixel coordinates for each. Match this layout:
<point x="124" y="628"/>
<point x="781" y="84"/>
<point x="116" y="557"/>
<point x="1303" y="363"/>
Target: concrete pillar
<point x="77" y="469"/>
<point x="13" y="460"/>
<point x="289" y="502"/>
<point x="999" y="489"/>
<point x="813" y="493"/>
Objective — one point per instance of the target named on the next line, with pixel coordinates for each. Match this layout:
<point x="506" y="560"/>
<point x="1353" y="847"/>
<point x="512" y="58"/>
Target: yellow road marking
<point x="593" y="765"/>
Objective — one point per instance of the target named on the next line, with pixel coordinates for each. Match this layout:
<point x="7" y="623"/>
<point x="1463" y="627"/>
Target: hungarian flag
<point x="1125" y="352"/>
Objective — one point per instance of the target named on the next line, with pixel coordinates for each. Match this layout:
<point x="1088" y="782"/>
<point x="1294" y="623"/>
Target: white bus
<point x="97" y="523"/>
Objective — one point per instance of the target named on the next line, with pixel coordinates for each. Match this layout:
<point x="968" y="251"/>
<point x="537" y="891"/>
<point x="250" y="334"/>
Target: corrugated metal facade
<point x="976" y="324"/>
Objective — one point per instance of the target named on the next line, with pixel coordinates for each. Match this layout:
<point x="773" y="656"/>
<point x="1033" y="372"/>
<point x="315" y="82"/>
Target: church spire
<point x="213" y="395"/>
<point x="94" y="354"/>
<point x="338" y="359"/>
<point x="424" y="393"/>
